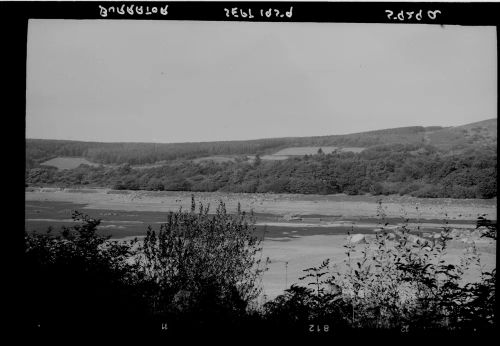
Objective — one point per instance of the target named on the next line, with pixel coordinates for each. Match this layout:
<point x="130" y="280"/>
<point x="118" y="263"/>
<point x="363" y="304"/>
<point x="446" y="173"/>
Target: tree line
<point x="40" y="150"/>
<point x="418" y="170"/>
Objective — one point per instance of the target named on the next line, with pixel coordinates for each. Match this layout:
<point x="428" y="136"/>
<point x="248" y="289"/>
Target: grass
<point x="299" y="151"/>
<point x="216" y="158"/>
<point x="67" y="162"/>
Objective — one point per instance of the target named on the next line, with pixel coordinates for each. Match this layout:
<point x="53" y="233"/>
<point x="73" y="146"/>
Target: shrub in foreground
<point x="202" y="268"/>
<point x="79" y="280"/>
<point x="197" y="271"/>
<point x="399" y="283"/>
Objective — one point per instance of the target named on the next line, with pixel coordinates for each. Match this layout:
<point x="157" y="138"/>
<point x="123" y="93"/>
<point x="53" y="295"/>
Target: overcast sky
<point x="173" y="81"/>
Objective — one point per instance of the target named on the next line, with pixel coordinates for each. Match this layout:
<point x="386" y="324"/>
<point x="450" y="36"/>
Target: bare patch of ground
<point x="290" y="258"/>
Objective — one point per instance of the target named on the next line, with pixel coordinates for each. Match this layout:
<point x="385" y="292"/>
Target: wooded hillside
<point x="457" y="162"/>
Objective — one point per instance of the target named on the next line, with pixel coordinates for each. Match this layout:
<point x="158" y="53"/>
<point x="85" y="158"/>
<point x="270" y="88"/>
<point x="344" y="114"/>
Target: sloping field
<point x="151" y="165"/>
<point x="352" y="149"/>
<point x="67" y="162"/>
<point x="479" y="133"/>
<point x="489" y="125"/>
<point x="250" y="158"/>
<point x="274" y="157"/>
<point x="217" y="159"/>
<point x="300" y="151"/>
<point x="280" y="155"/>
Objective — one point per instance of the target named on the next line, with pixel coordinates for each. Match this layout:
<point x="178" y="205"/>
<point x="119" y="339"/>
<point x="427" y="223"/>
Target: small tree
<point x="258" y="160"/>
<point x="203" y="266"/>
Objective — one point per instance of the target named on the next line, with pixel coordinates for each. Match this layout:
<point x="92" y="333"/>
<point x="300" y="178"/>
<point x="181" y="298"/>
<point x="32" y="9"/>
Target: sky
<point x="187" y="81"/>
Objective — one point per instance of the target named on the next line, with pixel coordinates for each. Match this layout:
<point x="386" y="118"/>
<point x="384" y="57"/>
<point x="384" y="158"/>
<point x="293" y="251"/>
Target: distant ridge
<point x="488" y="123"/>
<point x="474" y="134"/>
<point x="455" y="138"/>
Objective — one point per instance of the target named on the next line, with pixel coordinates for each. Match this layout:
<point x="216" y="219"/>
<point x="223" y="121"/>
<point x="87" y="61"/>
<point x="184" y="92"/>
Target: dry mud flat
<point x="290" y="258"/>
<point x="277" y="204"/>
<point x="299" y="252"/>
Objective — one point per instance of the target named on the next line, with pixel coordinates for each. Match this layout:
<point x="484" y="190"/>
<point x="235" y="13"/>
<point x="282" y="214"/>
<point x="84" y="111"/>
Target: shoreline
<point x="276" y="204"/>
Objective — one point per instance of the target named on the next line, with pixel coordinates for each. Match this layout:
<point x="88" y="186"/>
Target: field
<point x="215" y="158"/>
<point x="299" y="230"/>
<point x="300" y="151"/>
<point x="67" y="162"/>
<point x="282" y="154"/>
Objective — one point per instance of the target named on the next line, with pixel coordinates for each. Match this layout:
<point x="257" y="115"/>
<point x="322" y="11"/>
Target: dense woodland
<point x="456" y="162"/>
<point x="417" y="170"/>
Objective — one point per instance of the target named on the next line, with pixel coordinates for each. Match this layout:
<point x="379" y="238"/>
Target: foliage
<point x="398" y="283"/>
<point x="203" y="265"/>
<point x="491" y="227"/>
<point x="198" y="267"/>
<point x="416" y="170"/>
<point x="79" y="278"/>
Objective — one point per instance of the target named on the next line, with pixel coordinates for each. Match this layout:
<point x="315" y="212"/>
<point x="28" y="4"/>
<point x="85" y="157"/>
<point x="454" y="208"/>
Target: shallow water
<point x="291" y="245"/>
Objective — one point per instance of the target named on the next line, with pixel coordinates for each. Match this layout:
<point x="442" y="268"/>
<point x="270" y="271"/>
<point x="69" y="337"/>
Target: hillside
<point x="443" y="139"/>
<point x="482" y="133"/>
<point x="453" y="162"/>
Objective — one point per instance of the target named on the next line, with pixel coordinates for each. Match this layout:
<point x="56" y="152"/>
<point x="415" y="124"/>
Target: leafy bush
<point x="78" y="279"/>
<point x="202" y="267"/>
<point x="401" y="282"/>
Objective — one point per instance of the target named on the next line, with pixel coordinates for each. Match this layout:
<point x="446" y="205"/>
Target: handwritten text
<point x="403" y="16"/>
<point x="249" y="13"/>
<point x="131" y="10"/>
